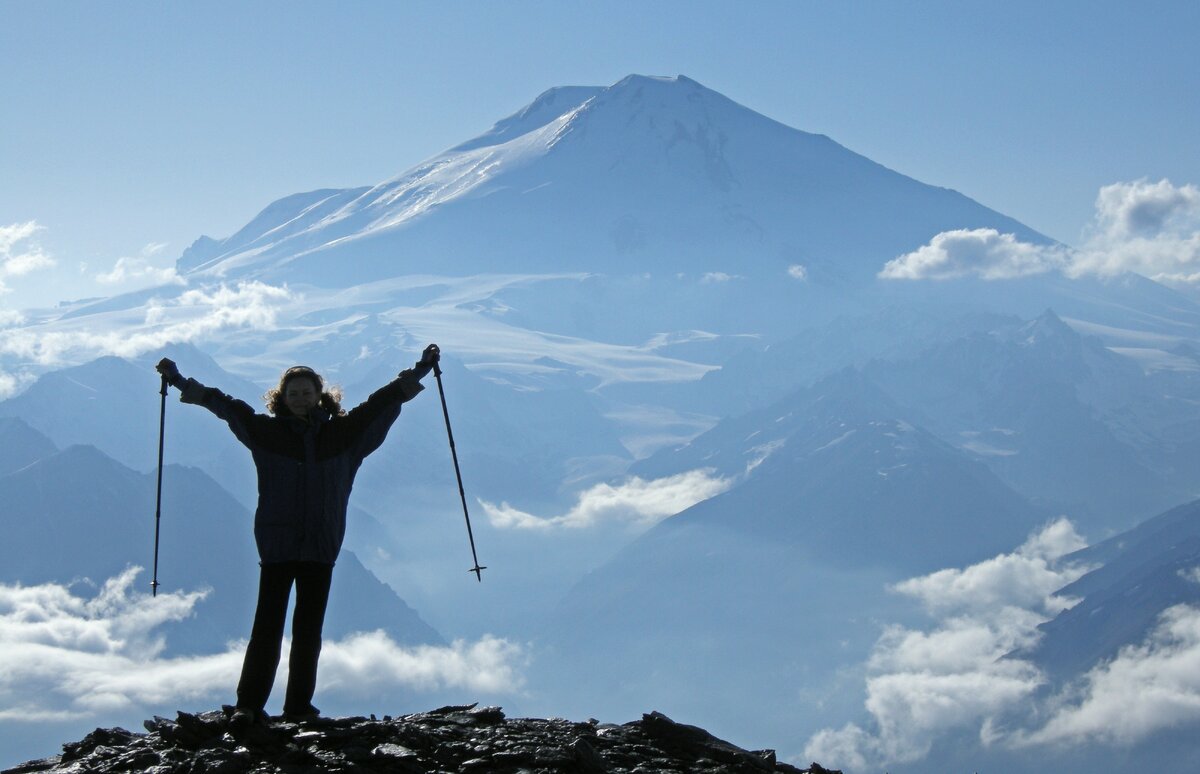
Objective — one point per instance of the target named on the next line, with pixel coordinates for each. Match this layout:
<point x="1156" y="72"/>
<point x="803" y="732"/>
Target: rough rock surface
<point x="450" y="739"/>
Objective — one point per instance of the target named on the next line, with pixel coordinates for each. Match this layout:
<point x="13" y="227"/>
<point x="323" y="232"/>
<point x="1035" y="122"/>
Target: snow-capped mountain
<point x="650" y="174"/>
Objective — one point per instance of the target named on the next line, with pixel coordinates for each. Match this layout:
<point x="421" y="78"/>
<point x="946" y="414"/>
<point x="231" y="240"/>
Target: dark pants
<point x="266" y="638"/>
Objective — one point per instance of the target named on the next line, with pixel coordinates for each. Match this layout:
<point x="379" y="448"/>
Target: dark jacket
<point x="306" y="469"/>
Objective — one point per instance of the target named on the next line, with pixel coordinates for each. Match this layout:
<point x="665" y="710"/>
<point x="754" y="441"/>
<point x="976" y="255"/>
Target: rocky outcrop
<point x="450" y="739"/>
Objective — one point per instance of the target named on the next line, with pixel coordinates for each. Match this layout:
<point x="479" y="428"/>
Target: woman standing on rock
<point x="306" y="453"/>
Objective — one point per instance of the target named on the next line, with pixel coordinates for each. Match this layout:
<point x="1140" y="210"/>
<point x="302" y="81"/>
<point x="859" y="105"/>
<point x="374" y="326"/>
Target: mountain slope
<point x="1143" y="572"/>
<point x="1059" y="416"/>
<point x="21" y="445"/>
<point x="782" y="578"/>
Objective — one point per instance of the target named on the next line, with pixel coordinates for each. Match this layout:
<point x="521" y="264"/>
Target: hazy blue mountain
<point x="1141" y="573"/>
<point x="21" y="445"/>
<point x="80" y="514"/>
<point x="1059" y="416"/>
<point x="763" y="370"/>
<point x="114" y="404"/>
<point x="782" y="578"/>
<point x="839" y="470"/>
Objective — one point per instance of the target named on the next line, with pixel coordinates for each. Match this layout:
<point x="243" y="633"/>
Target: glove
<point x="169" y="371"/>
<point x="429" y="358"/>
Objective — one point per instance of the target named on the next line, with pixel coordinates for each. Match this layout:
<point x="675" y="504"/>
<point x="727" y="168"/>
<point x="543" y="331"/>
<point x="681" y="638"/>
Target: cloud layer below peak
<point x="956" y="677"/>
<point x="1152" y="229"/>
<point x="69" y="657"/>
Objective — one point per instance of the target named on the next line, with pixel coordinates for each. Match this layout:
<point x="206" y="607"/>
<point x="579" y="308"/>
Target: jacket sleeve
<point x="370" y="421"/>
<point x="237" y="414"/>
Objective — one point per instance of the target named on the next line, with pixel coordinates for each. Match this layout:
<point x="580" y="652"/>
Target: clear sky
<point x="128" y="129"/>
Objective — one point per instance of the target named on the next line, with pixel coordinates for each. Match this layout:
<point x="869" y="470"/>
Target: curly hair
<point x="331" y="399"/>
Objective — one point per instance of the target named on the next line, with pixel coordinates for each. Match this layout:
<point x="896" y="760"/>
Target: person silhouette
<point x="306" y="451"/>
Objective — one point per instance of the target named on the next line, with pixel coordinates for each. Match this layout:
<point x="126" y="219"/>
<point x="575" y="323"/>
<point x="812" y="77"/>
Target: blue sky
<point x="132" y="128"/>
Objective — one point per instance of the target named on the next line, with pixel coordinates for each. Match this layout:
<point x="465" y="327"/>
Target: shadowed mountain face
<point x="1059" y="417"/>
<point x="784" y="576"/>
<point x="21" y="445"/>
<point x="1138" y="575"/>
<point x="838" y="470"/>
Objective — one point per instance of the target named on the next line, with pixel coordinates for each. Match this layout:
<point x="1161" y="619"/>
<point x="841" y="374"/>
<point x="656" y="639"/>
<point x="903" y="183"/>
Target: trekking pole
<point x="162" y="424"/>
<point x="437" y="372"/>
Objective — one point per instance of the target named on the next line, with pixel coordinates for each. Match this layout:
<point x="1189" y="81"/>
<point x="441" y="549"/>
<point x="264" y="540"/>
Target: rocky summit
<point x="450" y="739"/>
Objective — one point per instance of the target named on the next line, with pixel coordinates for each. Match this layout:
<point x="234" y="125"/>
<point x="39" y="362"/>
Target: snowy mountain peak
<point x="658" y="174"/>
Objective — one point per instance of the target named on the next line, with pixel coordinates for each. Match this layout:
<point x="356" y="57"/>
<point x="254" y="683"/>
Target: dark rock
<point x="453" y="738"/>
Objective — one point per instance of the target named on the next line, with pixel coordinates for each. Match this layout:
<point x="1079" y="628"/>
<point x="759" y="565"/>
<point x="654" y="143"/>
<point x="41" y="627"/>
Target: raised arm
<point x="237" y="414"/>
<point x="371" y="420"/>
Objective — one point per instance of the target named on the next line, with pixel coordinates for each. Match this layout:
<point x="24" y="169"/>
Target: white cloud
<point x="371" y="661"/>
<point x="1146" y="688"/>
<point x="982" y="252"/>
<point x="1025" y="579"/>
<point x="635" y="501"/>
<point x="798" y="272"/>
<point x="1152" y="229"/>
<point x="192" y="316"/>
<point x="715" y="277"/>
<point x="20" y="254"/>
<point x="63" y="656"/>
<point x="11" y="384"/>
<point x="139" y="269"/>
<point x="923" y="684"/>
<point x="1143" y="210"/>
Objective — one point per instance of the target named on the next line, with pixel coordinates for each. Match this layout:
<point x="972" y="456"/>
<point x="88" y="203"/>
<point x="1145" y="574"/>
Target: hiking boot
<point x="245" y="718"/>
<point x="301" y="714"/>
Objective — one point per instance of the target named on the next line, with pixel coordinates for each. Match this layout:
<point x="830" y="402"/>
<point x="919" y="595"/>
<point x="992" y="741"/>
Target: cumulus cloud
<point x="1152" y="229"/>
<point x="192" y="316"/>
<point x="140" y="269"/>
<point x="64" y="656"/>
<point x="11" y="384"/>
<point x="636" y="501"/>
<point x="20" y="254"/>
<point x="1146" y="688"/>
<point x="797" y="272"/>
<point x="953" y="676"/>
<point x="982" y="252"/>
<point x="1142" y="209"/>
<point x="1023" y="580"/>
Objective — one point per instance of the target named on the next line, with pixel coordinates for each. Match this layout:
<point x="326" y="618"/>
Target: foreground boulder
<point x="465" y="739"/>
